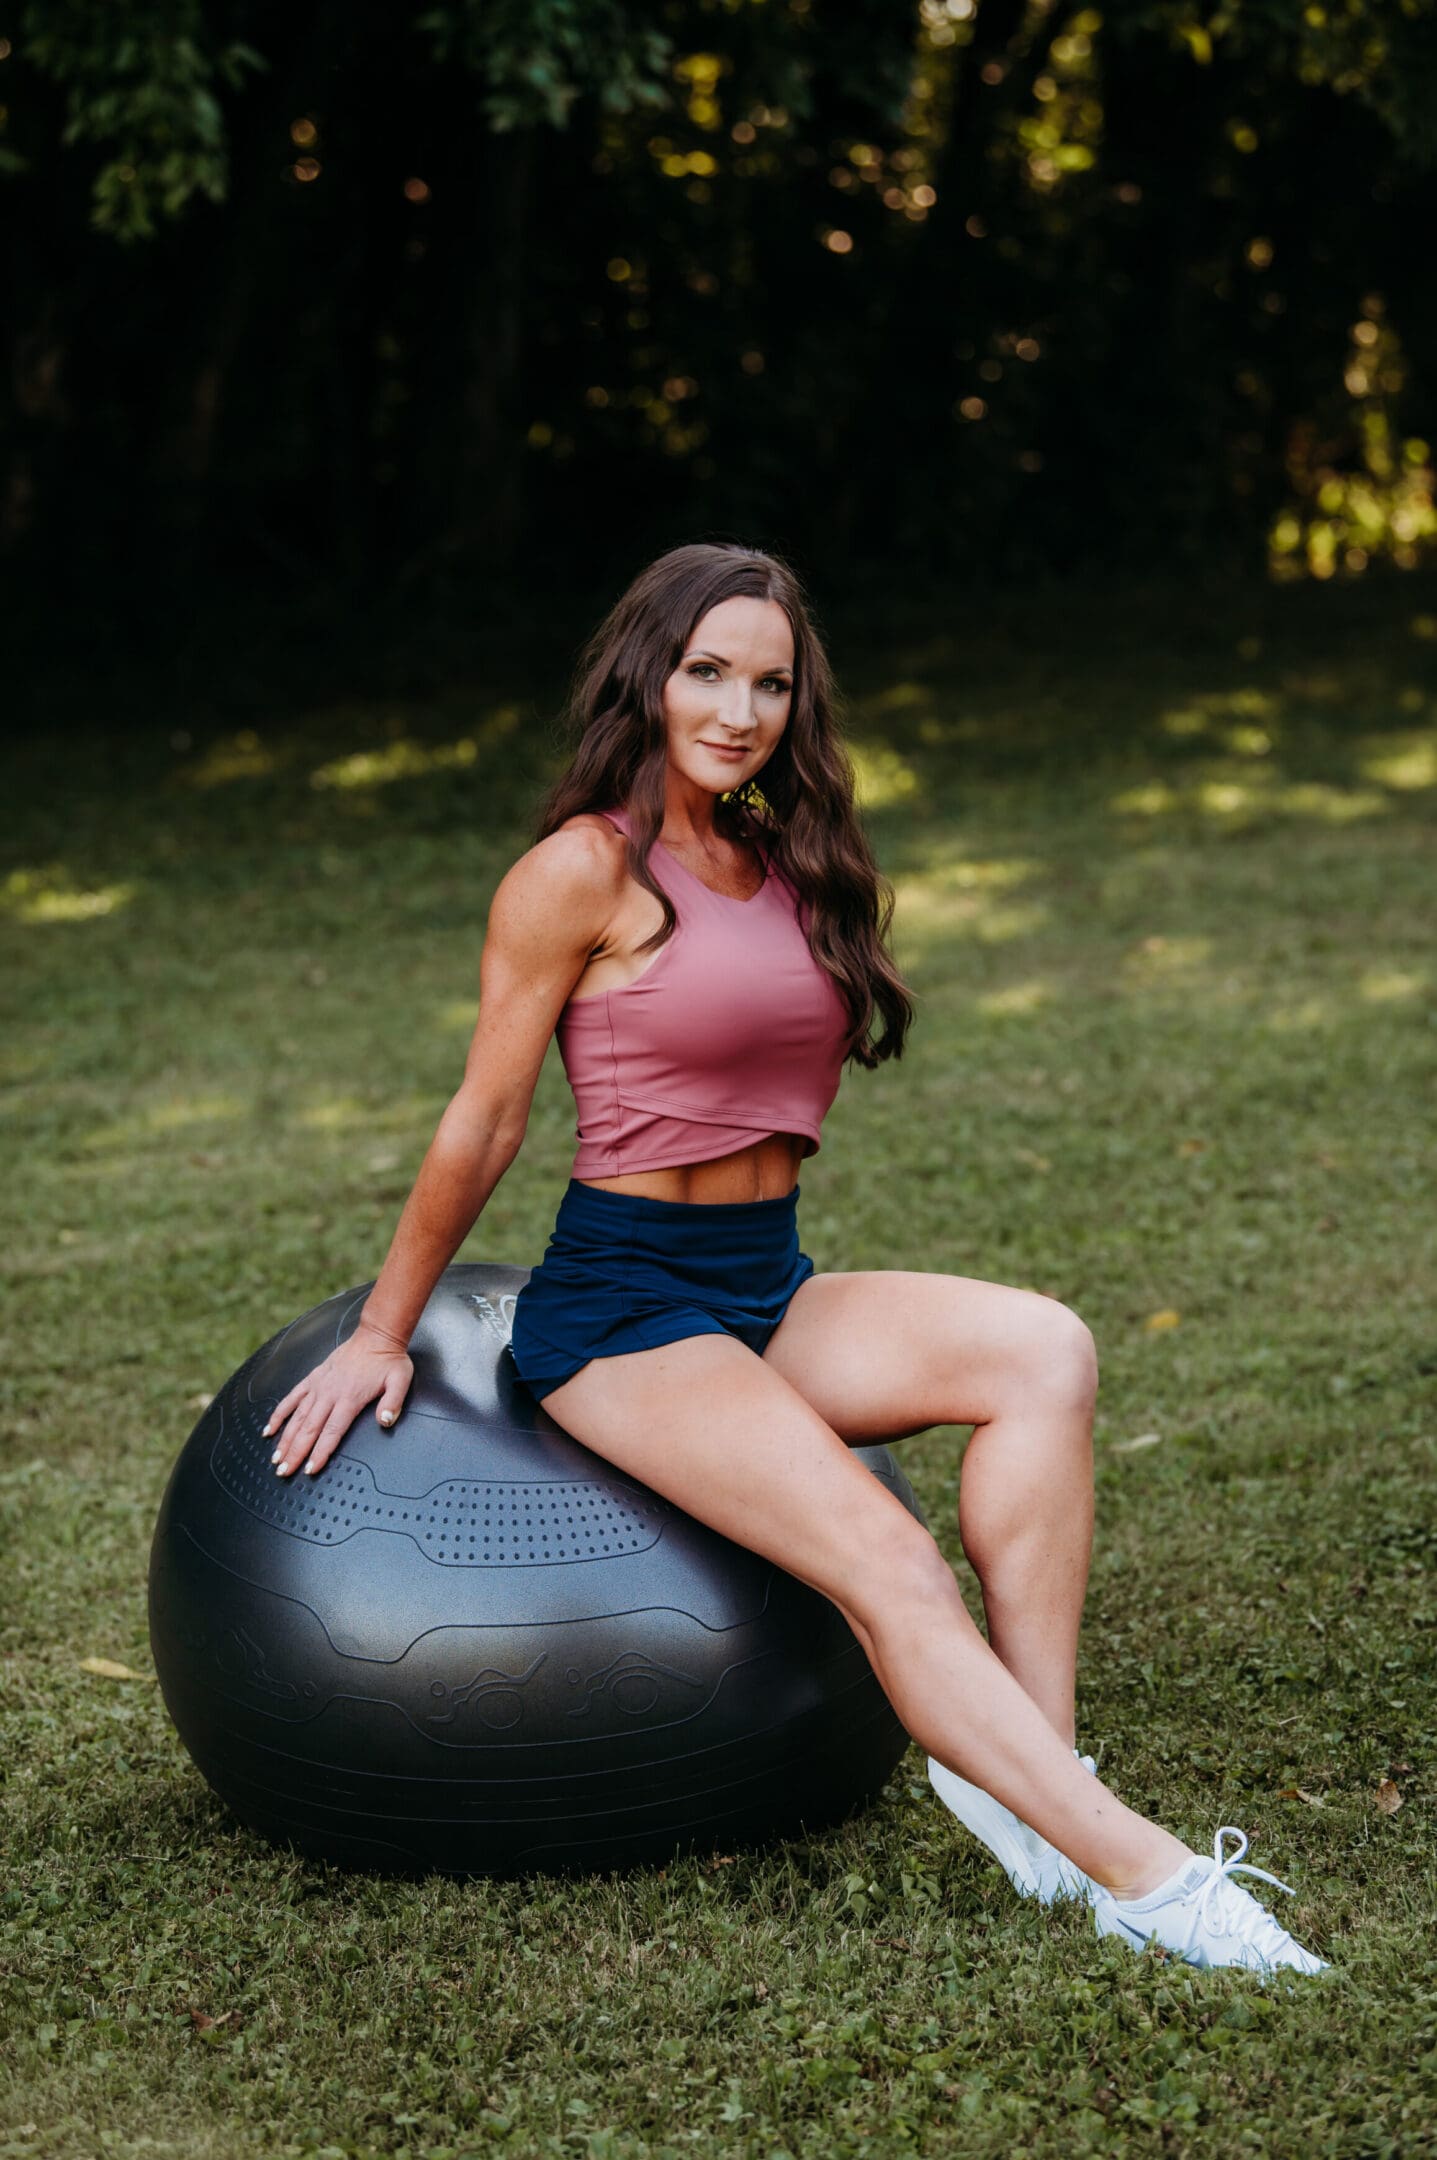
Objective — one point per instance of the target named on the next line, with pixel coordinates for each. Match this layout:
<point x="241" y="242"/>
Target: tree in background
<point x="371" y="300"/>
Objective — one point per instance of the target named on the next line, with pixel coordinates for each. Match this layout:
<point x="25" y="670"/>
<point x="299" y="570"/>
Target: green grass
<point x="1166" y="896"/>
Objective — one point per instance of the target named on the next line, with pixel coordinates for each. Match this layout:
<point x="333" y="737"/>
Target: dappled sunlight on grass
<point x="1152" y="799"/>
<point x="390" y="1120"/>
<point x="1164" y="959"/>
<point x="1205" y="715"/>
<point x="967" y="897"/>
<point x="1300" y="1017"/>
<point x="404" y="758"/>
<point x="338" y="1113"/>
<point x="1016" y="1000"/>
<point x="973" y="915"/>
<point x="883" y="777"/>
<point x="194" y="1110"/>
<point x="977" y="874"/>
<point x="457" y="1015"/>
<point x="241" y="756"/>
<point x="1255" y="792"/>
<point x="50" y="895"/>
<point x="1333" y="805"/>
<point x="1380" y="986"/>
<point x="156" y="1120"/>
<point x="399" y="754"/>
<point x="1245" y="740"/>
<point x="898" y="697"/>
<point x="1406" y="761"/>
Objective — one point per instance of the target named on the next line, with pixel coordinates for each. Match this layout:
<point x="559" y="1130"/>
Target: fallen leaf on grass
<point x="1033" y="1160"/>
<point x="1130" y="1447"/>
<point x="1157" y="1321"/>
<point x="1388" y="1798"/>
<point x="1191" y="1147"/>
<point x="202" y="2022"/>
<point x="108" y="1669"/>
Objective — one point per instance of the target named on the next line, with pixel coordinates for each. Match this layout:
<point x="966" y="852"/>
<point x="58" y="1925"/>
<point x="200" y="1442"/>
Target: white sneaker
<point x="1033" y="1866"/>
<point x="1207" y="1918"/>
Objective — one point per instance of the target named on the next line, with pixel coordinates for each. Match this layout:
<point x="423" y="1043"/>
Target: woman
<point x="703" y="923"/>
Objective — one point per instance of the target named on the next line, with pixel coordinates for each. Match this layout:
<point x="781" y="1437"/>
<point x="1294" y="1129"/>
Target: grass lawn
<point x="1166" y="895"/>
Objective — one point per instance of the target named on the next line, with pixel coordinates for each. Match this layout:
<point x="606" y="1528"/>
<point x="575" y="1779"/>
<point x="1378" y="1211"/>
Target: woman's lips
<point x="724" y="749"/>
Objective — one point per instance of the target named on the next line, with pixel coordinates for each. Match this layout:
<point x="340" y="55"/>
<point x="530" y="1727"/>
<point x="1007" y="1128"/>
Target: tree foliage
<point x="332" y="290"/>
<point x="141" y="81"/>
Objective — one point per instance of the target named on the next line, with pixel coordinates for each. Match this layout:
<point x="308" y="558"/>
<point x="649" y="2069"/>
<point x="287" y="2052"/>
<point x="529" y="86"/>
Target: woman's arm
<point x="549" y="913"/>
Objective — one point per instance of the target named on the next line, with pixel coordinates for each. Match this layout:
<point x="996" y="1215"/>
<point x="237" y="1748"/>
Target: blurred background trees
<point x="391" y="307"/>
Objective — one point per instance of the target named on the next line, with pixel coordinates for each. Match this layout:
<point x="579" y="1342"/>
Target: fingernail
<point x="275" y="1456"/>
<point x="310" y="1468"/>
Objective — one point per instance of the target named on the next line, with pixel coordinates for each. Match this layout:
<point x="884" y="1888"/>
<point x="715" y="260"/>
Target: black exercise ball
<point x="471" y="1645"/>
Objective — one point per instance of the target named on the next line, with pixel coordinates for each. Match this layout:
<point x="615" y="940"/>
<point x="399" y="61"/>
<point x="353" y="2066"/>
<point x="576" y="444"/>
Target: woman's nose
<point x="736" y="708"/>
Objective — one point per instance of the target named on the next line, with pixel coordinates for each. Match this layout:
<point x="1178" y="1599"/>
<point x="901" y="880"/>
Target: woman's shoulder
<point x="578" y="865"/>
<point x="606" y="823"/>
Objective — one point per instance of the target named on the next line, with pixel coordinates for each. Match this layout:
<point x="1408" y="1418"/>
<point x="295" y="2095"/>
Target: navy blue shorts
<point x="625" y="1273"/>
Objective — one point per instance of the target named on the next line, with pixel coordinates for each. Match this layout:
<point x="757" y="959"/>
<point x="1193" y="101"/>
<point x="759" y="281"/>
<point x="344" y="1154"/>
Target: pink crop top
<point x="733" y="1031"/>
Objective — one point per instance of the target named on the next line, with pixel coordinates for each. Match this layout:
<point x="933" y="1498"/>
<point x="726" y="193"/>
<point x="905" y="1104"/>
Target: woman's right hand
<point x="320" y="1409"/>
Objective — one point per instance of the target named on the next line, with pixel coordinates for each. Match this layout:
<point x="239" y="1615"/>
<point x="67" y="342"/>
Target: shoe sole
<point x="1110" y="1923"/>
<point x="984" y="1816"/>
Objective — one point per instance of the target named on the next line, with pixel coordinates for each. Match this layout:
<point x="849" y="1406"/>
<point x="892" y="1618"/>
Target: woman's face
<point x="726" y="703"/>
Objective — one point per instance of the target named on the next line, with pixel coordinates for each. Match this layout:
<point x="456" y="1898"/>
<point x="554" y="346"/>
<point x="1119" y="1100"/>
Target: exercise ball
<point x="470" y="1645"/>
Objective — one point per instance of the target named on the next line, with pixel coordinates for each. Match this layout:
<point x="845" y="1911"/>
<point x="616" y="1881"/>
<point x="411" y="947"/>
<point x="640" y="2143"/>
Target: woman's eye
<point x="772" y="680"/>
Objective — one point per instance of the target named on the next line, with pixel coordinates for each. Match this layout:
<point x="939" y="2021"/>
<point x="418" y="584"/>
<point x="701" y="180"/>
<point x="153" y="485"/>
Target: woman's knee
<point x="903" y="1571"/>
<point x="1062" y="1363"/>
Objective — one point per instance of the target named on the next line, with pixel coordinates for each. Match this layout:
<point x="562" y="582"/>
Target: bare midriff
<point x="765" y="1170"/>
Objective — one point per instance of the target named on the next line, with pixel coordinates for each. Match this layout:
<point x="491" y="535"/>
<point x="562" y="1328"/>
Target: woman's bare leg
<point x="723" y="1435"/>
<point x="883" y="1353"/>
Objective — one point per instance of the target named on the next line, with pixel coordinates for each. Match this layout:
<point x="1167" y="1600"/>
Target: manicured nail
<point x="275" y="1456"/>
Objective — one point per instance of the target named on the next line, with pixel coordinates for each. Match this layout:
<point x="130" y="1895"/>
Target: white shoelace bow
<point x="1245" y="1920"/>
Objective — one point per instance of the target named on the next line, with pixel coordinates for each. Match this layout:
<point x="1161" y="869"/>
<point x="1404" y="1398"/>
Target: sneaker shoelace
<point x="1242" y="1918"/>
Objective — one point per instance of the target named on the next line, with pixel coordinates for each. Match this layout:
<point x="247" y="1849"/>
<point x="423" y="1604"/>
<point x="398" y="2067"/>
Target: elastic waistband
<point x="594" y="1201"/>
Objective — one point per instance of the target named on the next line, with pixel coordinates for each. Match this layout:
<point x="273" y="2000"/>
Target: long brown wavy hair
<point x="799" y="810"/>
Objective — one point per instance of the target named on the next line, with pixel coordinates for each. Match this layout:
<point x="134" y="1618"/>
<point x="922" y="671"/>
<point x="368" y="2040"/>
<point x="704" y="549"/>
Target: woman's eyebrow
<point x="780" y="668"/>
